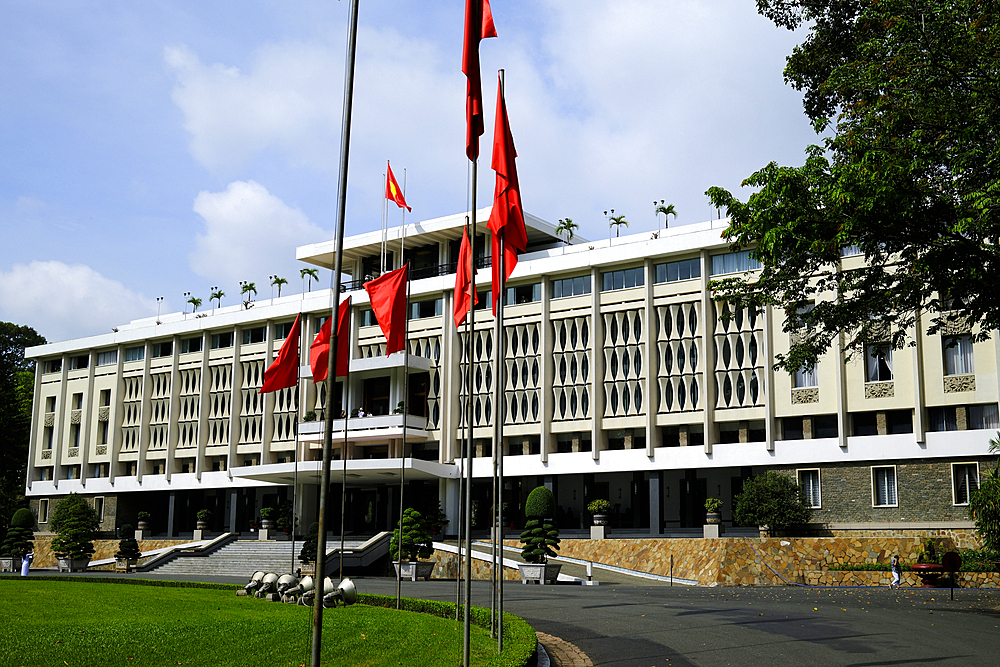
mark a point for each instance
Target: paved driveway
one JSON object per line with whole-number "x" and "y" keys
{"x": 660, "y": 626}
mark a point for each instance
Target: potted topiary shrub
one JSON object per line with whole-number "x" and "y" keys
{"x": 712, "y": 511}
{"x": 142, "y": 529}
{"x": 540, "y": 538}
{"x": 599, "y": 510}
{"x": 285, "y": 520}
{"x": 265, "y": 523}
{"x": 75, "y": 523}
{"x": 437, "y": 520}
{"x": 307, "y": 554}
{"x": 201, "y": 529}
{"x": 18, "y": 541}
{"x": 415, "y": 543}
{"x": 128, "y": 553}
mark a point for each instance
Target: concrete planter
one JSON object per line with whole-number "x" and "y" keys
{"x": 73, "y": 564}
{"x": 929, "y": 573}
{"x": 10, "y": 564}
{"x": 126, "y": 564}
{"x": 414, "y": 569}
{"x": 540, "y": 573}
{"x": 713, "y": 517}
{"x": 600, "y": 519}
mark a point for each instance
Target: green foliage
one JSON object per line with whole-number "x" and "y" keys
{"x": 667, "y": 210}
{"x": 75, "y": 523}
{"x": 416, "y": 538}
{"x": 437, "y": 519}
{"x": 17, "y": 381}
{"x": 984, "y": 509}
{"x": 772, "y": 499}
{"x": 540, "y": 538}
{"x": 307, "y": 554}
{"x": 617, "y": 221}
{"x": 285, "y": 518}
{"x": 128, "y": 547}
{"x": 864, "y": 567}
{"x": 19, "y": 535}
{"x": 309, "y": 416}
{"x": 979, "y": 560}
{"x": 125, "y": 625}
{"x": 143, "y": 516}
{"x": 906, "y": 96}
{"x": 567, "y": 227}
{"x": 930, "y": 551}
{"x": 204, "y": 514}
{"x": 266, "y": 512}
{"x": 599, "y": 506}
{"x": 713, "y": 505}
{"x": 541, "y": 503}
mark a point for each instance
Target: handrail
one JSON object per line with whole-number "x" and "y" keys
{"x": 211, "y": 545}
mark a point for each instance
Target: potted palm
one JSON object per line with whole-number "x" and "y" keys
{"x": 415, "y": 543}
{"x": 75, "y": 523}
{"x": 201, "y": 528}
{"x": 18, "y": 541}
{"x": 142, "y": 529}
{"x": 540, "y": 538}
{"x": 599, "y": 511}
{"x": 128, "y": 552}
{"x": 712, "y": 510}
{"x": 265, "y": 523}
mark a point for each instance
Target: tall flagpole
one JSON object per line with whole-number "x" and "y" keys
{"x": 406, "y": 399}
{"x": 467, "y": 431}
{"x": 295, "y": 436}
{"x": 346, "y": 409}
{"x": 345, "y": 144}
{"x": 501, "y": 382}
{"x": 467, "y": 627}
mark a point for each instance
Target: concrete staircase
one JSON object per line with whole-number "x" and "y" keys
{"x": 241, "y": 558}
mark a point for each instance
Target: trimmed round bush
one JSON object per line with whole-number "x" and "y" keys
{"x": 308, "y": 552}
{"x": 76, "y": 523}
{"x": 19, "y": 535}
{"x": 127, "y": 546}
{"x": 773, "y": 500}
{"x": 540, "y": 535}
{"x": 541, "y": 503}
{"x": 417, "y": 542}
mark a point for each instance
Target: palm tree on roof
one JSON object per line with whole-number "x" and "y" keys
{"x": 568, "y": 227}
{"x": 666, "y": 210}
{"x": 313, "y": 274}
{"x": 617, "y": 221}
{"x": 277, "y": 280}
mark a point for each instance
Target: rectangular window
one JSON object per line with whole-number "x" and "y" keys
{"x": 104, "y": 434}
{"x": 320, "y": 321}
{"x": 958, "y": 355}
{"x": 942, "y": 419}
{"x": 523, "y": 294}
{"x": 899, "y": 421}
{"x": 805, "y": 377}
{"x": 43, "y": 510}
{"x": 53, "y": 366}
{"x": 282, "y": 330}
{"x": 809, "y": 481}
{"x": 47, "y": 437}
{"x": 222, "y": 340}
{"x": 164, "y": 349}
{"x": 191, "y": 345}
{"x": 107, "y": 358}
{"x": 78, "y": 401}
{"x": 791, "y": 428}
{"x": 878, "y": 362}
{"x": 429, "y": 308}
{"x": 570, "y": 286}
{"x": 734, "y": 262}
{"x": 99, "y": 508}
{"x": 50, "y": 403}
{"x": 80, "y": 362}
{"x": 850, "y": 251}
{"x": 623, "y": 279}
{"x": 984, "y": 416}
{"x": 865, "y": 423}
{"x": 825, "y": 426}
{"x": 485, "y": 301}
{"x": 254, "y": 335}
{"x": 135, "y": 353}
{"x": 685, "y": 269}
{"x": 884, "y": 486}
{"x": 105, "y": 398}
{"x": 964, "y": 480}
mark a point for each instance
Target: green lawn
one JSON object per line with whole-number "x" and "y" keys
{"x": 77, "y": 623}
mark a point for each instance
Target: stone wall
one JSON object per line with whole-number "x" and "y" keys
{"x": 923, "y": 486}
{"x": 102, "y": 549}
{"x": 446, "y": 567}
{"x": 962, "y": 579}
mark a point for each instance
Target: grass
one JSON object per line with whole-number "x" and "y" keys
{"x": 81, "y": 623}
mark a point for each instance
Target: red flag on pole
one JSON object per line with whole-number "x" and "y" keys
{"x": 284, "y": 370}
{"x": 507, "y": 217}
{"x": 388, "y": 297}
{"x": 478, "y": 26}
{"x": 319, "y": 351}
{"x": 463, "y": 281}
{"x": 392, "y": 190}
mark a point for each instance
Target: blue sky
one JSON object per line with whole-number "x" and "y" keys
{"x": 151, "y": 149}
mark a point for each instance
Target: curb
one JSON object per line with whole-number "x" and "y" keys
{"x": 562, "y": 653}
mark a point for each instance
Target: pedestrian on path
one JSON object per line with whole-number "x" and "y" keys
{"x": 897, "y": 572}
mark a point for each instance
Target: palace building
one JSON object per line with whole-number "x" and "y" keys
{"x": 622, "y": 378}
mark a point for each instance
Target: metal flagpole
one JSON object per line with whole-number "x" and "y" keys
{"x": 295, "y": 437}
{"x": 467, "y": 627}
{"x": 467, "y": 431}
{"x": 406, "y": 399}
{"x": 345, "y": 143}
{"x": 385, "y": 223}
{"x": 345, "y": 408}
{"x": 501, "y": 379}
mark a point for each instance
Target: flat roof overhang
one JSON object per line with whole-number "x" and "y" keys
{"x": 359, "y": 472}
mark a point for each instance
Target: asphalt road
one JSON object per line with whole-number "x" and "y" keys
{"x": 662, "y": 626}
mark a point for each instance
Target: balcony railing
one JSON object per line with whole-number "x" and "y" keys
{"x": 416, "y": 274}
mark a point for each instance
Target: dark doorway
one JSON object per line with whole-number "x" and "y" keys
{"x": 375, "y": 398}
{"x": 694, "y": 493}
{"x": 420, "y": 384}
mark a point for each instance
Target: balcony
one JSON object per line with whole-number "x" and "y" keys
{"x": 366, "y": 429}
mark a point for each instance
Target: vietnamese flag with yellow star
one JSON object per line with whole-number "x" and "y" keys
{"x": 392, "y": 191}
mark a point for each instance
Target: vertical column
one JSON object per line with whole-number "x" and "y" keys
{"x": 655, "y": 502}
{"x": 204, "y": 404}
{"x": 234, "y": 502}
{"x": 37, "y": 418}
{"x": 175, "y": 394}
{"x": 653, "y": 439}
{"x": 60, "y": 423}
{"x": 708, "y": 356}
{"x": 841, "y": 380}
{"x": 86, "y": 417}
{"x": 236, "y": 405}
{"x": 115, "y": 415}
{"x": 170, "y": 513}
{"x": 547, "y": 372}
{"x": 769, "y": 420}
{"x": 267, "y": 414}
{"x": 918, "y": 379}
{"x": 597, "y": 352}
{"x": 147, "y": 390}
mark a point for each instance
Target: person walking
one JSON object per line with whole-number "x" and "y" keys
{"x": 897, "y": 572}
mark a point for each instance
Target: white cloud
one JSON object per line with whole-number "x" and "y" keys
{"x": 63, "y": 301}
{"x": 249, "y": 234}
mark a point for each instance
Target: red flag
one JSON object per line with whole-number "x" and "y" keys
{"x": 463, "y": 281}
{"x": 284, "y": 370}
{"x": 319, "y": 351}
{"x": 392, "y": 191}
{"x": 507, "y": 217}
{"x": 478, "y": 26}
{"x": 388, "y": 297}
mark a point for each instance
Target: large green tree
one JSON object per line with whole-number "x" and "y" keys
{"x": 17, "y": 382}
{"x": 905, "y": 95}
